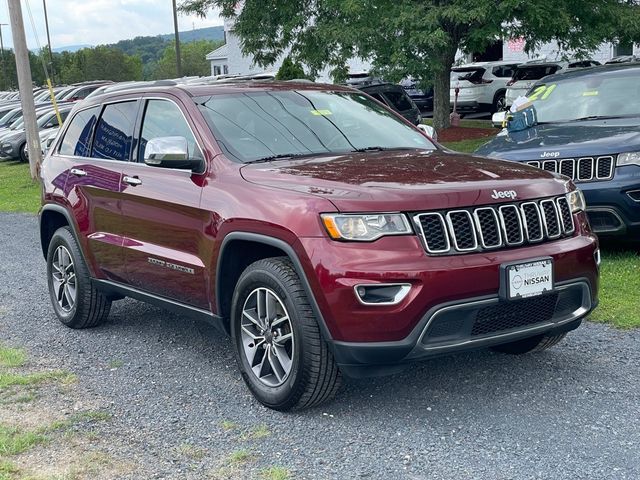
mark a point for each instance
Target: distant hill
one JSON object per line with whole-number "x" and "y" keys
{"x": 70, "y": 48}
{"x": 210, "y": 33}
{"x": 146, "y": 46}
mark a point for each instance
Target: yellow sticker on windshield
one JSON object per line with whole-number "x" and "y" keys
{"x": 592, "y": 93}
{"x": 324, "y": 113}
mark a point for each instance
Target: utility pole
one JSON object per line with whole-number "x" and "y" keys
{"x": 5, "y": 77}
{"x": 46, "y": 24}
{"x": 25, "y": 84}
{"x": 175, "y": 28}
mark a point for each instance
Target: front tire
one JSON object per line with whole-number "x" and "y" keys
{"x": 530, "y": 345}
{"x": 75, "y": 300}
{"x": 280, "y": 351}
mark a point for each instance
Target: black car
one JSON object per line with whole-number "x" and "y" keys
{"x": 423, "y": 98}
{"x": 396, "y": 98}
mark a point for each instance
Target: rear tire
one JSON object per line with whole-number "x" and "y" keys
{"x": 75, "y": 299}
{"x": 530, "y": 345}
{"x": 280, "y": 351}
{"x": 23, "y": 153}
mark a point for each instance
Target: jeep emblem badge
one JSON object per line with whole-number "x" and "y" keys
{"x": 504, "y": 194}
{"x": 549, "y": 154}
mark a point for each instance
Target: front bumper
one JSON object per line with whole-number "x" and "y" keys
{"x": 334, "y": 268}
{"x": 474, "y": 323}
{"x": 613, "y": 206}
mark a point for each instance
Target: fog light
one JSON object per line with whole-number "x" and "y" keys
{"x": 382, "y": 293}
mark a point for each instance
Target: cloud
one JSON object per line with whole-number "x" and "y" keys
{"x": 94, "y": 22}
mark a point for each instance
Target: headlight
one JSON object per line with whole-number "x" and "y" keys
{"x": 576, "y": 201}
{"x": 365, "y": 227}
{"x": 629, "y": 158}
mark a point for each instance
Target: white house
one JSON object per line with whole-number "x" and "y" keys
{"x": 219, "y": 59}
{"x": 230, "y": 57}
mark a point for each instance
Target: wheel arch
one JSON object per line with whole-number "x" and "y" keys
{"x": 53, "y": 217}
{"x": 240, "y": 249}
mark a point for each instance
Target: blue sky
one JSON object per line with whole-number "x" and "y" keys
{"x": 73, "y": 22}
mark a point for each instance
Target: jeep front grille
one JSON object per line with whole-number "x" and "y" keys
{"x": 582, "y": 169}
{"x": 493, "y": 227}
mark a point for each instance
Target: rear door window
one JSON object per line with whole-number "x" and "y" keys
{"x": 77, "y": 138}
{"x": 114, "y": 132}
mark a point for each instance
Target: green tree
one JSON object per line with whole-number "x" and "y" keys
{"x": 417, "y": 38}
{"x": 193, "y": 59}
{"x": 290, "y": 70}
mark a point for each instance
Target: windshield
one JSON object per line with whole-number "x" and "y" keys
{"x": 611, "y": 95}
{"x": 259, "y": 125}
{"x": 9, "y": 117}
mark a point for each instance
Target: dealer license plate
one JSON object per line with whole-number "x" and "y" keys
{"x": 529, "y": 279}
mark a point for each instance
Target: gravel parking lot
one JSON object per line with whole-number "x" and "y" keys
{"x": 178, "y": 407}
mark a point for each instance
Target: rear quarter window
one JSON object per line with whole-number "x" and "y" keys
{"x": 77, "y": 138}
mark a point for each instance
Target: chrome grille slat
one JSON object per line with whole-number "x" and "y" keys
{"x": 532, "y": 221}
{"x": 583, "y": 169}
{"x": 566, "y": 218}
{"x": 488, "y": 226}
{"x": 491, "y": 227}
{"x": 434, "y": 232}
{"x": 550, "y": 218}
{"x": 511, "y": 224}
{"x": 462, "y": 230}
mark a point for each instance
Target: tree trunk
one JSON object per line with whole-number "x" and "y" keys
{"x": 441, "y": 83}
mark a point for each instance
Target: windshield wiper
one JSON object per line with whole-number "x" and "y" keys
{"x": 597, "y": 117}
{"x": 284, "y": 156}
{"x": 381, "y": 149}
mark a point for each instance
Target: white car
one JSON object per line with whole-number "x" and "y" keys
{"x": 482, "y": 85}
{"x": 526, "y": 74}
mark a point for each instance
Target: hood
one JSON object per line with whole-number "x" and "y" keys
{"x": 566, "y": 140}
{"x": 406, "y": 180}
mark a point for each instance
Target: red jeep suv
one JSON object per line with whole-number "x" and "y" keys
{"x": 320, "y": 229}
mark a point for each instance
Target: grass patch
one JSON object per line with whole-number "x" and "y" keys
{"x": 14, "y": 440}
{"x": 7, "y": 469}
{"x": 275, "y": 473}
{"x": 240, "y": 456}
{"x": 116, "y": 364}
{"x": 191, "y": 451}
{"x": 228, "y": 425}
{"x": 466, "y": 123}
{"x": 12, "y": 357}
{"x": 619, "y": 287}
{"x": 261, "y": 431}
{"x": 18, "y": 193}
{"x": 8, "y": 379}
{"x": 466, "y": 146}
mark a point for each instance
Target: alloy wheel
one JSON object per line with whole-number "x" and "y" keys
{"x": 267, "y": 337}
{"x": 63, "y": 275}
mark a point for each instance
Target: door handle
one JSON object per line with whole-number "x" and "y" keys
{"x": 78, "y": 172}
{"x": 133, "y": 181}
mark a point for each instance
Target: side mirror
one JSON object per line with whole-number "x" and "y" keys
{"x": 497, "y": 119}
{"x": 169, "y": 152}
{"x": 429, "y": 131}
